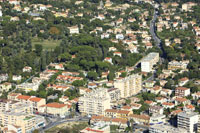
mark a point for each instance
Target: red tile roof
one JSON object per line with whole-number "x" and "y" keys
{"x": 56, "y": 105}
{"x": 23, "y": 97}
{"x": 35, "y": 99}
{"x": 182, "y": 88}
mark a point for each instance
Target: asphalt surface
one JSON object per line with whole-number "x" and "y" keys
{"x": 152, "y": 30}
{"x": 54, "y": 123}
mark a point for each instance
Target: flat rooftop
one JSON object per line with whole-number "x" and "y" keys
{"x": 168, "y": 128}
{"x": 188, "y": 114}
{"x": 150, "y": 56}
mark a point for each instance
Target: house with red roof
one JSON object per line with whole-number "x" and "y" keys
{"x": 182, "y": 91}
{"x": 168, "y": 105}
{"x": 183, "y": 81}
{"x": 37, "y": 102}
{"x": 118, "y": 54}
{"x": 108, "y": 59}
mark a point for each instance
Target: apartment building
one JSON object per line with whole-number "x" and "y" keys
{"x": 10, "y": 105}
{"x": 114, "y": 94}
{"x": 182, "y": 91}
{"x": 156, "y": 109}
{"x": 174, "y": 65}
{"x": 188, "y": 120}
{"x": 129, "y": 86}
{"x": 58, "y": 109}
{"x": 161, "y": 128}
{"x": 148, "y": 62}
{"x": 94, "y": 102}
{"x": 140, "y": 119}
{"x": 114, "y": 113}
{"x": 18, "y": 116}
{"x": 24, "y": 122}
{"x": 36, "y": 102}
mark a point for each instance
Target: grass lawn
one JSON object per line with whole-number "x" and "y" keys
{"x": 47, "y": 44}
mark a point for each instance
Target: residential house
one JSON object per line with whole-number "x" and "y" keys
{"x": 182, "y": 91}
{"x": 183, "y": 81}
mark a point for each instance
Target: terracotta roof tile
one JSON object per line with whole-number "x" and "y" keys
{"x": 35, "y": 99}
{"x": 23, "y": 97}
{"x": 56, "y": 105}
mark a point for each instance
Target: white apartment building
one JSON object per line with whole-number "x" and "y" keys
{"x": 94, "y": 102}
{"x": 188, "y": 120}
{"x": 129, "y": 86}
{"x": 19, "y": 117}
{"x": 114, "y": 94}
{"x": 148, "y": 62}
{"x": 161, "y": 128}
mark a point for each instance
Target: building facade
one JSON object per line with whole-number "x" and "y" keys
{"x": 129, "y": 86}
{"x": 94, "y": 102}
{"x": 188, "y": 121}
{"x": 148, "y": 62}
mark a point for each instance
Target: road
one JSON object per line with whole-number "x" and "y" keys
{"x": 60, "y": 121}
{"x": 23, "y": 82}
{"x": 152, "y": 29}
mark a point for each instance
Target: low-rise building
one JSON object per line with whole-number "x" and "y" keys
{"x": 140, "y": 119}
{"x": 73, "y": 30}
{"x": 182, "y": 91}
{"x": 183, "y": 81}
{"x": 156, "y": 109}
{"x": 57, "y": 109}
{"x": 157, "y": 119}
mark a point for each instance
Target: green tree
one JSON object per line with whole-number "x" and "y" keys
{"x": 78, "y": 83}
{"x": 38, "y": 49}
{"x": 92, "y": 75}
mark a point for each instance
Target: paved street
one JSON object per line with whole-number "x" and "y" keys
{"x": 56, "y": 122}
{"x": 152, "y": 30}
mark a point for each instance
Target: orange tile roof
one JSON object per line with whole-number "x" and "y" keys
{"x": 159, "y": 98}
{"x": 168, "y": 104}
{"x": 182, "y": 88}
{"x": 93, "y": 130}
{"x": 23, "y": 97}
{"x": 111, "y": 110}
{"x": 95, "y": 117}
{"x": 148, "y": 102}
{"x": 144, "y": 117}
{"x": 136, "y": 105}
{"x": 190, "y": 106}
{"x": 119, "y": 120}
{"x": 126, "y": 107}
{"x": 56, "y": 105}
{"x": 180, "y": 99}
{"x": 175, "y": 112}
{"x": 184, "y": 79}
{"x": 156, "y": 88}
{"x": 123, "y": 112}
{"x": 35, "y": 99}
